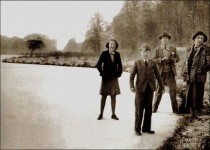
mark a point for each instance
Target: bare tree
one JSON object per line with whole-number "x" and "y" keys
{"x": 94, "y": 35}
{"x": 125, "y": 25}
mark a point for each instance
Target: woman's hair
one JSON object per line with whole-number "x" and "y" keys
{"x": 117, "y": 45}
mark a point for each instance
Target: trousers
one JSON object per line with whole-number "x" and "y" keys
{"x": 143, "y": 107}
{"x": 168, "y": 79}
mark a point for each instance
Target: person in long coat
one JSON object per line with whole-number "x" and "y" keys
{"x": 195, "y": 68}
{"x": 145, "y": 71}
{"x": 166, "y": 57}
{"x": 109, "y": 66}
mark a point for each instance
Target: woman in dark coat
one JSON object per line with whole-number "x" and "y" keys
{"x": 195, "y": 71}
{"x": 110, "y": 67}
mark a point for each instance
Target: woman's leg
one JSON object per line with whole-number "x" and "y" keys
{"x": 113, "y": 103}
{"x": 103, "y": 102}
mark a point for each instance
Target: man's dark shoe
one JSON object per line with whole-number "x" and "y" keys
{"x": 150, "y": 132}
{"x": 100, "y": 117}
{"x": 138, "y": 133}
{"x": 154, "y": 111}
{"x": 175, "y": 112}
{"x": 115, "y": 117}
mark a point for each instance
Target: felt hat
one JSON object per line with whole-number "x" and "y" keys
{"x": 166, "y": 35}
{"x": 200, "y": 33}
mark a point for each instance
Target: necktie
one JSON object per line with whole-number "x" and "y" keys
{"x": 146, "y": 63}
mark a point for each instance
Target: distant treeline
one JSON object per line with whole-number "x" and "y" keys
{"x": 16, "y": 45}
{"x": 136, "y": 23}
{"x": 141, "y": 22}
{"x": 144, "y": 21}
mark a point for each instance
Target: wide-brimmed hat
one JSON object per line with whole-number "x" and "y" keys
{"x": 200, "y": 33}
{"x": 165, "y": 34}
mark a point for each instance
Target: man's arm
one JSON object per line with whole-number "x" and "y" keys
{"x": 175, "y": 58}
{"x": 158, "y": 77}
{"x": 132, "y": 76}
{"x": 157, "y": 57}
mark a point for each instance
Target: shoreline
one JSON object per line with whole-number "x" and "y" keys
{"x": 69, "y": 61}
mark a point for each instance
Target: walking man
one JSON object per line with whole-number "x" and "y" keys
{"x": 166, "y": 56}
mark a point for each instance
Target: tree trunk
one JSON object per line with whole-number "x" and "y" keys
{"x": 193, "y": 15}
{"x": 31, "y": 52}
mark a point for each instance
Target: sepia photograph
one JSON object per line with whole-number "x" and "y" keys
{"x": 122, "y": 74}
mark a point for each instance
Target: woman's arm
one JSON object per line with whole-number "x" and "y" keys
{"x": 99, "y": 64}
{"x": 120, "y": 67}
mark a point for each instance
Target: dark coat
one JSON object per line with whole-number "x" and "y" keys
{"x": 107, "y": 68}
{"x": 174, "y": 57}
{"x": 145, "y": 75}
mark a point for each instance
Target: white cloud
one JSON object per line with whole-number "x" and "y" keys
{"x": 59, "y": 20}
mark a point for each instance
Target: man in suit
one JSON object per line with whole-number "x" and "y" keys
{"x": 166, "y": 56}
{"x": 146, "y": 70}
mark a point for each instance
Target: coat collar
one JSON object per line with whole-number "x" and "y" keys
{"x": 167, "y": 47}
{"x": 109, "y": 56}
{"x": 107, "y": 52}
{"x": 190, "y": 49}
{"x": 143, "y": 63}
{"x": 192, "y": 46}
{"x": 161, "y": 48}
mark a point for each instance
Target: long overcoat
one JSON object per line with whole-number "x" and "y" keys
{"x": 199, "y": 64}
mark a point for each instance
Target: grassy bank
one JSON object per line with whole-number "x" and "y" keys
{"x": 191, "y": 134}
{"x": 73, "y": 59}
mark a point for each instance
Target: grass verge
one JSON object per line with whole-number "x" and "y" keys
{"x": 192, "y": 133}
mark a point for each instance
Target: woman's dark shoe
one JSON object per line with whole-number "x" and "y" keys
{"x": 115, "y": 117}
{"x": 100, "y": 117}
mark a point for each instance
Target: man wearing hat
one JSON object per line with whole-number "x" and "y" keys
{"x": 195, "y": 68}
{"x": 166, "y": 56}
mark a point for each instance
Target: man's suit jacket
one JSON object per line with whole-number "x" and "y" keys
{"x": 173, "y": 56}
{"x": 145, "y": 75}
{"x": 106, "y": 67}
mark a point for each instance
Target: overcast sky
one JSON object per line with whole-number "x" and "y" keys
{"x": 60, "y": 20}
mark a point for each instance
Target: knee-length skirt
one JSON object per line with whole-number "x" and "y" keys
{"x": 109, "y": 87}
